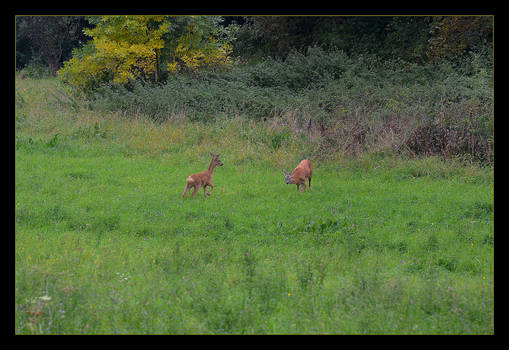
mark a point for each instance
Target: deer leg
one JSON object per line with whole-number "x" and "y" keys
{"x": 211, "y": 189}
{"x": 303, "y": 187}
{"x": 194, "y": 192}
{"x": 309, "y": 181}
{"x": 185, "y": 191}
{"x": 298, "y": 187}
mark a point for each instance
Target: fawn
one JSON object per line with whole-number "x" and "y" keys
{"x": 203, "y": 179}
{"x": 299, "y": 175}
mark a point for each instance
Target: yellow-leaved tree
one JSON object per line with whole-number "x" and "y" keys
{"x": 125, "y": 48}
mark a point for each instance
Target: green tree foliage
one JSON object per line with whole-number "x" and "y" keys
{"x": 278, "y": 35}
{"x": 125, "y": 48}
{"x": 412, "y": 38}
{"x": 122, "y": 48}
{"x": 48, "y": 39}
{"x": 453, "y": 35}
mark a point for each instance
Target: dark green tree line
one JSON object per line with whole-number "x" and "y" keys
{"x": 419, "y": 39}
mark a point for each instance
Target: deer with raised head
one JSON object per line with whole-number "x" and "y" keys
{"x": 203, "y": 179}
{"x": 299, "y": 175}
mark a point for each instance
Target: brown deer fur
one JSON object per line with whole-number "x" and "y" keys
{"x": 299, "y": 175}
{"x": 202, "y": 179}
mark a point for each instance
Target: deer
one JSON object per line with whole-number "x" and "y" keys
{"x": 299, "y": 175}
{"x": 203, "y": 179}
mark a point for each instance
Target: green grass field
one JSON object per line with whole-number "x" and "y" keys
{"x": 105, "y": 244}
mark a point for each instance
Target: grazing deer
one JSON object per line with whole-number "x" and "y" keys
{"x": 202, "y": 179}
{"x": 299, "y": 175}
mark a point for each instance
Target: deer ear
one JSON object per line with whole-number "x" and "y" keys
{"x": 284, "y": 172}
{"x": 212, "y": 154}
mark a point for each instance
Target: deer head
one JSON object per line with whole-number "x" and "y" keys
{"x": 215, "y": 159}
{"x": 288, "y": 177}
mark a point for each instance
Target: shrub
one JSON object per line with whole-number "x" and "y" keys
{"x": 345, "y": 104}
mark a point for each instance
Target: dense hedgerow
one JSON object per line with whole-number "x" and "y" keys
{"x": 352, "y": 103}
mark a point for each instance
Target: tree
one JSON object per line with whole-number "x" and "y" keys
{"x": 412, "y": 38}
{"x": 278, "y": 35}
{"x": 453, "y": 35}
{"x": 50, "y": 37}
{"x": 124, "y": 48}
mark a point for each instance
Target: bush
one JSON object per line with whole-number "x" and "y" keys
{"x": 452, "y": 139}
{"x": 350, "y": 104}
{"x": 36, "y": 69}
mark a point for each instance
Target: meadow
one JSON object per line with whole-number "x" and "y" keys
{"x": 104, "y": 243}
